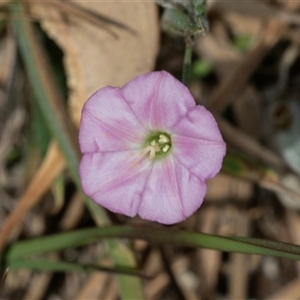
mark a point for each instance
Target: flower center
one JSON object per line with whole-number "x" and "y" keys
{"x": 157, "y": 144}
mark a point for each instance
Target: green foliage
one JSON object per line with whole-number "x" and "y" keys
{"x": 243, "y": 42}
{"x": 201, "y": 68}
{"x": 185, "y": 18}
{"x": 233, "y": 165}
{"x": 20, "y": 250}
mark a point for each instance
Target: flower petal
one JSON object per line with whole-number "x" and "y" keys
{"x": 172, "y": 193}
{"x": 203, "y": 158}
{"x": 198, "y": 144}
{"x": 158, "y": 99}
{"x": 115, "y": 180}
{"x": 108, "y": 123}
{"x": 199, "y": 123}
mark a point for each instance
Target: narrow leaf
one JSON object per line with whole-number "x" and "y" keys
{"x": 161, "y": 236}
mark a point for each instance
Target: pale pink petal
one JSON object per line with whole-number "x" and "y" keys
{"x": 115, "y": 180}
{"x": 197, "y": 143}
{"x": 158, "y": 99}
{"x": 203, "y": 158}
{"x": 172, "y": 193}
{"x": 109, "y": 124}
{"x": 198, "y": 123}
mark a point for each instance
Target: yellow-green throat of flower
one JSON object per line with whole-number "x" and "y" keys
{"x": 157, "y": 144}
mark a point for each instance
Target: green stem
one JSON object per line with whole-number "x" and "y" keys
{"x": 186, "y": 72}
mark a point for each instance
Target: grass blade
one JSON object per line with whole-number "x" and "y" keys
{"x": 162, "y": 236}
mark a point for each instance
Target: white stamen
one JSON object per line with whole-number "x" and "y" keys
{"x": 150, "y": 149}
{"x": 152, "y": 152}
{"x": 157, "y": 146}
{"x": 163, "y": 139}
{"x": 165, "y": 148}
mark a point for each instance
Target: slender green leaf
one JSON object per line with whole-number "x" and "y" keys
{"x": 168, "y": 236}
{"x": 186, "y": 72}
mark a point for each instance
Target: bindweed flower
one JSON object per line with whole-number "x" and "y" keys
{"x": 148, "y": 149}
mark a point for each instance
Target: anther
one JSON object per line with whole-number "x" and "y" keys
{"x": 163, "y": 139}
{"x": 165, "y": 148}
{"x": 159, "y": 145}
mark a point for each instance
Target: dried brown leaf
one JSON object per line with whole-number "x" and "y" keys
{"x": 93, "y": 56}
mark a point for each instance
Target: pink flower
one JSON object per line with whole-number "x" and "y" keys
{"x": 148, "y": 149}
